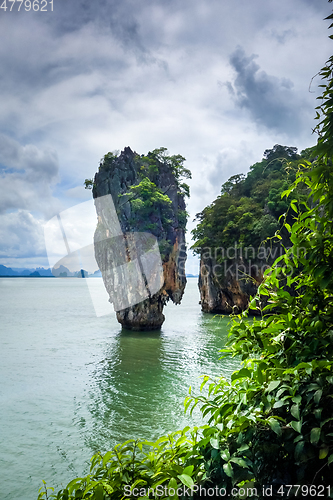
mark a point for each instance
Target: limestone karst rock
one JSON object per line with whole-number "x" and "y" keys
{"x": 148, "y": 210}
{"x": 226, "y": 287}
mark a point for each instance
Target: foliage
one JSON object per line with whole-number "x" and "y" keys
{"x": 152, "y": 209}
{"x": 182, "y": 216}
{"x": 173, "y": 461}
{"x": 149, "y": 207}
{"x": 246, "y": 204}
{"x": 281, "y": 152}
{"x": 88, "y": 183}
{"x": 108, "y": 160}
{"x": 175, "y": 163}
{"x": 105, "y": 164}
{"x": 165, "y": 248}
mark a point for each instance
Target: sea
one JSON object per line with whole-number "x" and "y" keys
{"x": 72, "y": 383}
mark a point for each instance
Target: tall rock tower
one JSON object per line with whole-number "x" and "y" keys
{"x": 140, "y": 239}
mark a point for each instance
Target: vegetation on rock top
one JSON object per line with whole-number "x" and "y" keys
{"x": 151, "y": 207}
{"x": 249, "y": 207}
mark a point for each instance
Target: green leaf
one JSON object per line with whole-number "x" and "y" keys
{"x": 74, "y": 484}
{"x": 225, "y": 408}
{"x": 228, "y": 469}
{"x": 107, "y": 457}
{"x": 295, "y": 411}
{"x": 315, "y": 435}
{"x": 99, "y": 493}
{"x": 299, "y": 449}
{"x": 188, "y": 470}
{"x": 172, "y": 485}
{"x": 275, "y": 426}
{"x": 273, "y": 385}
{"x": 215, "y": 443}
{"x": 330, "y": 459}
{"x": 317, "y": 396}
{"x": 239, "y": 461}
{"x": 260, "y": 376}
{"x": 225, "y": 455}
{"x": 243, "y": 447}
{"x": 244, "y": 372}
{"x": 187, "y": 480}
{"x": 297, "y": 425}
{"x": 279, "y": 403}
{"x": 323, "y": 452}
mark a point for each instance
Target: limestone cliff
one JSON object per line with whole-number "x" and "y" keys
{"x": 227, "y": 285}
{"x": 148, "y": 210}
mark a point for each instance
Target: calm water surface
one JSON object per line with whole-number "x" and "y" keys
{"x": 73, "y": 383}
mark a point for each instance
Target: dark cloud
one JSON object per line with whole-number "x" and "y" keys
{"x": 26, "y": 175}
{"x": 271, "y": 101}
{"x": 112, "y": 17}
{"x": 51, "y": 48}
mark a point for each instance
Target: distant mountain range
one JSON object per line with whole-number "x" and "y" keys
{"x": 60, "y": 272}
{"x": 23, "y": 271}
{"x": 40, "y": 272}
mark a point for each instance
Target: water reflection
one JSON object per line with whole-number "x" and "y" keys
{"x": 125, "y": 389}
{"x": 137, "y": 389}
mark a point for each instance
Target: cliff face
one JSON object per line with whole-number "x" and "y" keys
{"x": 140, "y": 236}
{"x": 226, "y": 285}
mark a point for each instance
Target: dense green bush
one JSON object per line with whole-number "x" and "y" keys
{"x": 148, "y": 206}
{"x": 246, "y": 204}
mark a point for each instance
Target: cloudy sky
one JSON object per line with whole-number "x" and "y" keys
{"x": 217, "y": 81}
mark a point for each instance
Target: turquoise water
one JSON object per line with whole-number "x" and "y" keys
{"x": 73, "y": 383}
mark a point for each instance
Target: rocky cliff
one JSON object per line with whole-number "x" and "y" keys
{"x": 226, "y": 285}
{"x": 140, "y": 236}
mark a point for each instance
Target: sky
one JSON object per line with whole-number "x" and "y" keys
{"x": 217, "y": 81}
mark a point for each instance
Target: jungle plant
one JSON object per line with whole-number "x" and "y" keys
{"x": 149, "y": 205}
{"x": 133, "y": 467}
{"x": 176, "y": 163}
{"x": 240, "y": 212}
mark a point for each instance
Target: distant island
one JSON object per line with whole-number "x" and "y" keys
{"x": 60, "y": 272}
{"x": 23, "y": 272}
{"x": 41, "y": 272}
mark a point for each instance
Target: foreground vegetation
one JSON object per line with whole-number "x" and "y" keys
{"x": 271, "y": 427}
